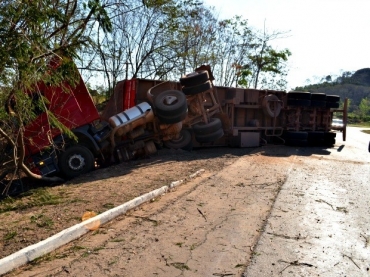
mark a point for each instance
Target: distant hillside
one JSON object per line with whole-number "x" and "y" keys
{"x": 354, "y": 86}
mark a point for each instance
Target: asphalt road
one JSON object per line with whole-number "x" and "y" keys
{"x": 278, "y": 211}
{"x": 320, "y": 222}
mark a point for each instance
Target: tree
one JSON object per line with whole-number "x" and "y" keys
{"x": 265, "y": 60}
{"x": 364, "y": 107}
{"x": 34, "y": 36}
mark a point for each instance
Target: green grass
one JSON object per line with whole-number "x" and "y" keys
{"x": 42, "y": 221}
{"x": 35, "y": 198}
{"x": 10, "y": 235}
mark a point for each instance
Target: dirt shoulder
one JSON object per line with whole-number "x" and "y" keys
{"x": 206, "y": 226}
{"x": 45, "y": 211}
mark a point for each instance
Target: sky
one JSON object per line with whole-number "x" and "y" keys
{"x": 326, "y": 37}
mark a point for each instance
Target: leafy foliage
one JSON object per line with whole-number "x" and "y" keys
{"x": 38, "y": 41}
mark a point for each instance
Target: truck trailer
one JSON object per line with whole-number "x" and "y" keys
{"x": 143, "y": 115}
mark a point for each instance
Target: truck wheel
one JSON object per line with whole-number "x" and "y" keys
{"x": 315, "y": 138}
{"x": 170, "y": 103}
{"x": 194, "y": 79}
{"x": 183, "y": 141}
{"x": 299, "y": 95}
{"x": 202, "y": 128}
{"x": 210, "y": 137}
{"x": 296, "y": 142}
{"x": 318, "y": 103}
{"x": 197, "y": 89}
{"x": 333, "y": 105}
{"x": 318, "y": 96}
{"x": 298, "y": 102}
{"x": 333, "y": 98}
{"x": 296, "y": 135}
{"x": 76, "y": 160}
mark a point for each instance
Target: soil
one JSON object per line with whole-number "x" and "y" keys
{"x": 46, "y": 210}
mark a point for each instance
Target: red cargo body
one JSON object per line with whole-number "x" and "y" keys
{"x": 72, "y": 106}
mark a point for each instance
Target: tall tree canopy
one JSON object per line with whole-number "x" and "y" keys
{"x": 32, "y": 34}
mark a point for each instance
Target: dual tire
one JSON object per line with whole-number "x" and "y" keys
{"x": 171, "y": 106}
{"x": 208, "y": 132}
{"x": 196, "y": 82}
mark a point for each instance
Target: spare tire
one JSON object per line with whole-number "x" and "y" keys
{"x": 267, "y": 109}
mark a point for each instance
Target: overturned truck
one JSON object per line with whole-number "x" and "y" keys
{"x": 194, "y": 113}
{"x": 144, "y": 114}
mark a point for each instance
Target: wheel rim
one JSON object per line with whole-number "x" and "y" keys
{"x": 169, "y": 100}
{"x": 76, "y": 162}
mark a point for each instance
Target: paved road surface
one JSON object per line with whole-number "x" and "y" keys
{"x": 320, "y": 223}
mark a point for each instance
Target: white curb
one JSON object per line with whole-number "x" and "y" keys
{"x": 41, "y": 248}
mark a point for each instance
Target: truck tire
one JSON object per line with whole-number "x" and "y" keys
{"x": 333, "y": 105}
{"x": 172, "y": 119}
{"x": 298, "y": 102}
{"x": 299, "y": 95}
{"x": 194, "y": 79}
{"x": 209, "y": 137}
{"x": 268, "y": 109}
{"x": 202, "y": 128}
{"x": 297, "y": 142}
{"x": 76, "y": 160}
{"x": 170, "y": 103}
{"x": 318, "y": 96}
{"x": 333, "y": 98}
{"x": 318, "y": 103}
{"x": 315, "y": 138}
{"x": 197, "y": 89}
{"x": 184, "y": 141}
{"x": 296, "y": 135}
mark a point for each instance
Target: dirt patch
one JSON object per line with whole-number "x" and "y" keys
{"x": 44, "y": 211}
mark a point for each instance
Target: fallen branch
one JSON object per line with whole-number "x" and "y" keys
{"x": 295, "y": 263}
{"x": 205, "y": 218}
{"x": 344, "y": 255}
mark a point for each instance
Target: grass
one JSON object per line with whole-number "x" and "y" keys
{"x": 37, "y": 198}
{"x": 42, "y": 221}
{"x": 10, "y": 235}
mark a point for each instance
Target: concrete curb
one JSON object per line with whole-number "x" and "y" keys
{"x": 41, "y": 248}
